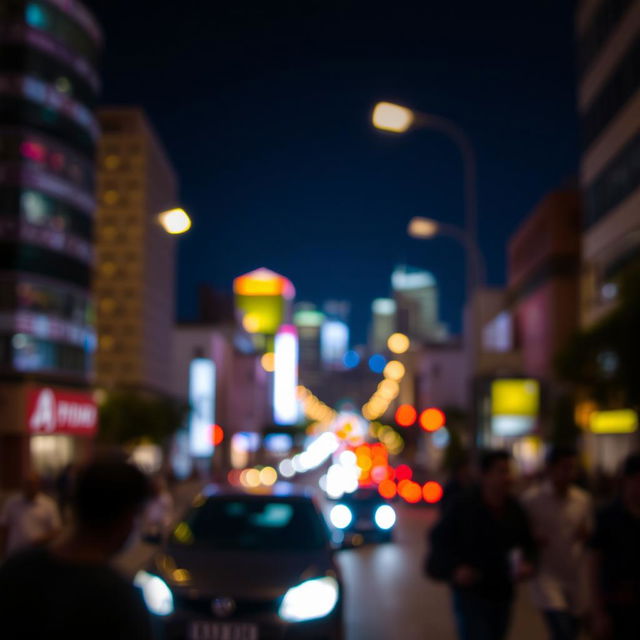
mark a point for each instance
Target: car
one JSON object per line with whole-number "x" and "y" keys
{"x": 364, "y": 516}
{"x": 247, "y": 566}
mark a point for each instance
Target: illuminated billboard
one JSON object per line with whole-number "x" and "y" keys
{"x": 262, "y": 296}
{"x": 285, "y": 376}
{"x": 202, "y": 385}
{"x": 515, "y": 404}
{"x": 619, "y": 421}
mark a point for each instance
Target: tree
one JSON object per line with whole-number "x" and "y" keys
{"x": 127, "y": 415}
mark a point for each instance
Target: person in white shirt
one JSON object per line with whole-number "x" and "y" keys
{"x": 560, "y": 514}
{"x": 28, "y": 518}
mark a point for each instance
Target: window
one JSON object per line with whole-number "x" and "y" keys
{"x": 112, "y": 162}
{"x": 110, "y": 197}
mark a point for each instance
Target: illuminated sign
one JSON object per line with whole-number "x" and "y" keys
{"x": 52, "y": 411}
{"x": 620, "y": 421}
{"x": 202, "y": 384}
{"x": 285, "y": 377}
{"x": 515, "y": 404}
{"x": 261, "y": 296}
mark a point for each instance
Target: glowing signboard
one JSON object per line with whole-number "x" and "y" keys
{"x": 515, "y": 403}
{"x": 285, "y": 377}
{"x": 202, "y": 385}
{"x": 620, "y": 421}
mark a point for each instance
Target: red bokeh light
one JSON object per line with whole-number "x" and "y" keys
{"x": 217, "y": 434}
{"x": 406, "y": 415}
{"x": 403, "y": 472}
{"x": 432, "y": 419}
{"x": 410, "y": 491}
{"x": 233, "y": 477}
{"x": 387, "y": 489}
{"x": 432, "y": 492}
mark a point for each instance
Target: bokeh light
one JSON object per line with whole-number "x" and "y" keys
{"x": 394, "y": 370}
{"x": 410, "y": 491}
{"x": 217, "y": 435}
{"x": 377, "y": 363}
{"x": 175, "y": 221}
{"x": 432, "y": 492}
{"x": 387, "y": 489}
{"x": 351, "y": 359}
{"x": 403, "y": 472}
{"x": 432, "y": 419}
{"x": 268, "y": 476}
{"x": 268, "y": 362}
{"x": 406, "y": 415}
{"x": 398, "y": 343}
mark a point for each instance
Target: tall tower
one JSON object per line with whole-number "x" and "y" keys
{"x": 416, "y": 294}
{"x": 48, "y": 132}
{"x": 134, "y": 283}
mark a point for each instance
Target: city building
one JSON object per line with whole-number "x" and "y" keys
{"x": 415, "y": 292}
{"x": 134, "y": 279}
{"x": 308, "y": 320}
{"x": 383, "y": 323}
{"x": 608, "y": 43}
{"x": 48, "y": 132}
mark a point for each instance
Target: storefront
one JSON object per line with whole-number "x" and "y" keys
{"x": 46, "y": 428}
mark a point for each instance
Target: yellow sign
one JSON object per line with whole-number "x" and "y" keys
{"x": 620, "y": 421}
{"x": 515, "y": 397}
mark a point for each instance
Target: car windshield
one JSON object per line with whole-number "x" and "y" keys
{"x": 253, "y": 523}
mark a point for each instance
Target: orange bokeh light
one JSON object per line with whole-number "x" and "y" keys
{"x": 403, "y": 472}
{"x": 432, "y": 492}
{"x": 387, "y": 489}
{"x": 406, "y": 415}
{"x": 217, "y": 434}
{"x": 432, "y": 419}
{"x": 410, "y": 491}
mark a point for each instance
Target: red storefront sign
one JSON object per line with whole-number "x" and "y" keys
{"x": 52, "y": 411}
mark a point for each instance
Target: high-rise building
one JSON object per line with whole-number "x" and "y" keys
{"x": 608, "y": 38}
{"x": 48, "y": 89}
{"x": 134, "y": 282}
{"x": 416, "y": 294}
{"x": 383, "y": 323}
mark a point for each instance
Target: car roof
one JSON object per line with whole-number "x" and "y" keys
{"x": 279, "y": 490}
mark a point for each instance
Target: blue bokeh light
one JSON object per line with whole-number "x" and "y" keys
{"x": 351, "y": 359}
{"x": 377, "y": 363}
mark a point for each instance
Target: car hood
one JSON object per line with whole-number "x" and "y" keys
{"x": 242, "y": 574}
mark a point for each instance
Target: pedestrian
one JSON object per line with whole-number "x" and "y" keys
{"x": 159, "y": 514}
{"x": 482, "y": 546}
{"x": 461, "y": 480}
{"x": 615, "y": 562}
{"x": 560, "y": 514}
{"x": 67, "y": 589}
{"x": 28, "y": 518}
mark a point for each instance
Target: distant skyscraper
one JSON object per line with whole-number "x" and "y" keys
{"x": 308, "y": 320}
{"x": 48, "y": 132}
{"x": 383, "y": 323}
{"x": 134, "y": 283}
{"x": 416, "y": 294}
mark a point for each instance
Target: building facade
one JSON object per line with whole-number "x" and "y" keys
{"x": 134, "y": 280}
{"x": 608, "y": 38}
{"x": 48, "y": 132}
{"x": 608, "y": 41}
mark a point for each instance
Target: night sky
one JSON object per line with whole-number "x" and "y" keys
{"x": 264, "y": 109}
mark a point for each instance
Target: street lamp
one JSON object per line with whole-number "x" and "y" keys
{"x": 426, "y": 228}
{"x": 398, "y": 119}
{"x": 175, "y": 221}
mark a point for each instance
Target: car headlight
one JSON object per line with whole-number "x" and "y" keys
{"x": 157, "y": 595}
{"x": 310, "y": 600}
{"x": 385, "y": 517}
{"x": 341, "y": 516}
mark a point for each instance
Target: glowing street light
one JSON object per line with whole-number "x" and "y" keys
{"x": 175, "y": 221}
{"x": 422, "y": 228}
{"x": 392, "y": 117}
{"x": 398, "y": 343}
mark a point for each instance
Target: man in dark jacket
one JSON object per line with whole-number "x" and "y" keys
{"x": 484, "y": 546}
{"x": 68, "y": 590}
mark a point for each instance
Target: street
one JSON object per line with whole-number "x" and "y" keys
{"x": 387, "y": 596}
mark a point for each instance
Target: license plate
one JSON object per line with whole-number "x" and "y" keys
{"x": 204, "y": 630}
